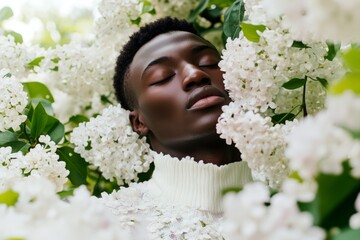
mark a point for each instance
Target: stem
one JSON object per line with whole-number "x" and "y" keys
{"x": 295, "y": 115}
{"x": 305, "y": 113}
{"x": 96, "y": 183}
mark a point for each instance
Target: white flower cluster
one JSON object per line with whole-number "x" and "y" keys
{"x": 179, "y": 8}
{"x": 281, "y": 220}
{"x": 355, "y": 219}
{"x": 10, "y": 167}
{"x": 40, "y": 214}
{"x": 261, "y": 144}
{"x": 109, "y": 143}
{"x": 114, "y": 26}
{"x": 157, "y": 220}
{"x": 325, "y": 142}
{"x": 13, "y": 100}
{"x": 41, "y": 160}
{"x": 16, "y": 56}
{"x": 333, "y": 20}
{"x": 82, "y": 73}
{"x": 255, "y": 72}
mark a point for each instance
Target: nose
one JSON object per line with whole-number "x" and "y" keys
{"x": 194, "y": 77}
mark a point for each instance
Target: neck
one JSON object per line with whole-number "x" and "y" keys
{"x": 215, "y": 152}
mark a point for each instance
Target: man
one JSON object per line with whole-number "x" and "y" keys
{"x": 167, "y": 75}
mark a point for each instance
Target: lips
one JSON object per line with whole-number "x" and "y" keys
{"x": 205, "y": 97}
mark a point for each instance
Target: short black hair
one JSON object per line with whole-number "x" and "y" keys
{"x": 136, "y": 41}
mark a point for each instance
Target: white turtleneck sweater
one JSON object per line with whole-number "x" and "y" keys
{"x": 182, "y": 200}
{"x": 195, "y": 184}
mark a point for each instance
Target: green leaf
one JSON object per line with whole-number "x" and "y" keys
{"x": 294, "y": 83}
{"x": 251, "y": 31}
{"x": 38, "y": 121}
{"x": 348, "y": 234}
{"x": 9, "y": 198}
{"x": 5, "y": 13}
{"x": 7, "y": 75}
{"x": 77, "y": 119}
{"x": 352, "y": 59}
{"x": 66, "y": 193}
{"x": 299, "y": 44}
{"x": 323, "y": 82}
{"x": 6, "y": 137}
{"x": 233, "y": 16}
{"x": 10, "y": 139}
{"x": 282, "y": 118}
{"x": 34, "y": 63}
{"x": 56, "y": 60}
{"x": 55, "y": 129}
{"x": 17, "y": 37}
{"x": 75, "y": 164}
{"x": 221, "y": 3}
{"x": 332, "y": 51}
{"x": 203, "y": 224}
{"x": 231, "y": 189}
{"x": 46, "y": 104}
{"x": 194, "y": 13}
{"x": 148, "y": 8}
{"x": 18, "y": 146}
{"x": 295, "y": 175}
{"x": 105, "y": 100}
{"x": 38, "y": 90}
{"x": 334, "y": 201}
{"x": 354, "y": 133}
{"x": 350, "y": 82}
{"x": 135, "y": 21}
{"x": 145, "y": 176}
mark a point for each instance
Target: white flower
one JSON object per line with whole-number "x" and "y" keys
{"x": 261, "y": 144}
{"x": 136, "y": 208}
{"x": 11, "y": 165}
{"x": 109, "y": 143}
{"x": 41, "y": 161}
{"x": 344, "y": 110}
{"x": 355, "y": 219}
{"x": 325, "y": 144}
{"x": 179, "y": 8}
{"x": 13, "y": 100}
{"x": 83, "y": 73}
{"x": 16, "y": 56}
{"x": 255, "y": 72}
{"x": 114, "y": 26}
{"x": 334, "y": 20}
{"x": 247, "y": 216}
{"x": 303, "y": 192}
{"x": 40, "y": 214}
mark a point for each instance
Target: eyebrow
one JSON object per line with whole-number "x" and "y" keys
{"x": 154, "y": 62}
{"x": 199, "y": 48}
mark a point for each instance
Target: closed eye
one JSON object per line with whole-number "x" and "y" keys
{"x": 162, "y": 81}
{"x": 210, "y": 65}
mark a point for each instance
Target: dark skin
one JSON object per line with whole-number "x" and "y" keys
{"x": 178, "y": 90}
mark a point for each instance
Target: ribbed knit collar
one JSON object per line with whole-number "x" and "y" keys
{"x": 195, "y": 184}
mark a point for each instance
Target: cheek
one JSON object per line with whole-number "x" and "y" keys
{"x": 161, "y": 107}
{"x": 218, "y": 79}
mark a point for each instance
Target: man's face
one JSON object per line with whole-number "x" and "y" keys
{"x": 179, "y": 88}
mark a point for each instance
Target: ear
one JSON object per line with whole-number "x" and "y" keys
{"x": 137, "y": 123}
